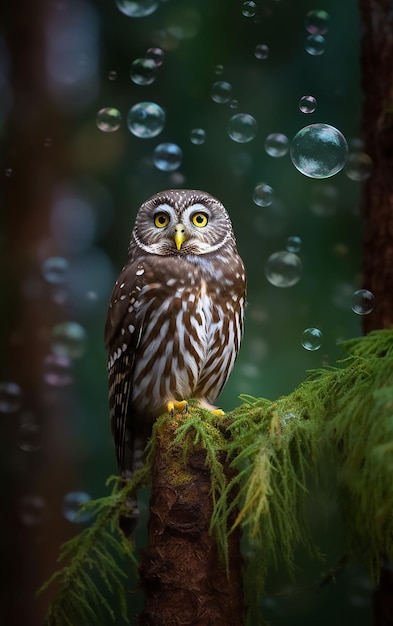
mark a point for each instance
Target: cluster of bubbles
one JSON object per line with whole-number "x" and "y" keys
{"x": 143, "y": 71}
{"x": 317, "y": 25}
{"x": 319, "y": 151}
{"x": 242, "y": 127}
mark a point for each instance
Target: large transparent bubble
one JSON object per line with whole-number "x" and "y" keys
{"x": 242, "y": 127}
{"x": 137, "y": 8}
{"x": 167, "y": 157}
{"x": 146, "y": 119}
{"x": 283, "y": 269}
{"x": 319, "y": 151}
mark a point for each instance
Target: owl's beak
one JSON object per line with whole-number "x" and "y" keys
{"x": 180, "y": 235}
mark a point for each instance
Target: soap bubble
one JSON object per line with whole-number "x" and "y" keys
{"x": 143, "y": 71}
{"x": 221, "y": 91}
{"x": 69, "y": 340}
{"x": 362, "y": 302}
{"x": 108, "y": 119}
{"x": 57, "y": 370}
{"x": 317, "y": 22}
{"x": 31, "y": 510}
{"x": 263, "y": 194}
{"x": 8, "y": 172}
{"x": 198, "y": 136}
{"x": 219, "y": 69}
{"x": 249, "y": 9}
{"x": 315, "y": 45}
{"x": 29, "y": 437}
{"x": 242, "y": 127}
{"x": 283, "y": 269}
{"x": 261, "y": 51}
{"x": 112, "y": 75}
{"x": 10, "y": 397}
{"x": 312, "y": 339}
{"x": 137, "y": 8}
{"x": 55, "y": 270}
{"x": 277, "y": 145}
{"x": 146, "y": 119}
{"x": 233, "y": 104}
{"x": 156, "y": 55}
{"x": 307, "y": 104}
{"x": 294, "y": 244}
{"x": 167, "y": 157}
{"x": 319, "y": 151}
{"x": 72, "y": 503}
{"x": 359, "y": 166}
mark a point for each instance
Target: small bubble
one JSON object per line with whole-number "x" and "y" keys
{"x": 108, "y": 119}
{"x": 233, "y": 104}
{"x": 261, "y": 51}
{"x": 57, "y": 370}
{"x": 277, "y": 145}
{"x": 362, "y": 302}
{"x": 312, "y": 339}
{"x": 319, "y": 151}
{"x": 167, "y": 157}
{"x": 72, "y": 503}
{"x": 263, "y": 195}
{"x": 156, "y": 55}
{"x": 29, "y": 437}
{"x": 55, "y": 270}
{"x": 315, "y": 45}
{"x": 198, "y": 136}
{"x": 283, "y": 269}
{"x": 137, "y": 8}
{"x": 242, "y": 127}
{"x": 8, "y": 172}
{"x": 31, "y": 510}
{"x": 69, "y": 340}
{"x": 359, "y": 166}
{"x": 249, "y": 8}
{"x": 146, "y": 119}
{"x": 317, "y": 22}
{"x": 294, "y": 244}
{"x": 221, "y": 92}
{"x": 307, "y": 104}
{"x": 219, "y": 70}
{"x": 112, "y": 75}
{"x": 10, "y": 397}
{"x": 143, "y": 71}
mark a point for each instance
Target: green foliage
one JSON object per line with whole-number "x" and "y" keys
{"x": 92, "y": 572}
{"x": 342, "y": 417}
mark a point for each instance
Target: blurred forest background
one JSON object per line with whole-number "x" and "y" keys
{"x": 73, "y": 176}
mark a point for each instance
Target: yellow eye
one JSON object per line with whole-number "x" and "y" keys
{"x": 199, "y": 219}
{"x": 161, "y": 220}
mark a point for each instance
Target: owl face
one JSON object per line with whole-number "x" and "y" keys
{"x": 182, "y": 222}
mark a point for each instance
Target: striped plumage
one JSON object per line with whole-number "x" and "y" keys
{"x": 175, "y": 319}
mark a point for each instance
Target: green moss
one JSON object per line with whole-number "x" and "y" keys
{"x": 344, "y": 414}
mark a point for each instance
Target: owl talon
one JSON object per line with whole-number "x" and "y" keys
{"x": 181, "y": 405}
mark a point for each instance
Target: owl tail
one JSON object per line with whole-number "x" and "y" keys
{"x": 134, "y": 460}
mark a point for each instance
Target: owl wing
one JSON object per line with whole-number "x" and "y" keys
{"x": 123, "y": 331}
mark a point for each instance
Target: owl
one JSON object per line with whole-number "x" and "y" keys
{"x": 175, "y": 319}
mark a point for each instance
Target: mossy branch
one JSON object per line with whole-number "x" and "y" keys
{"x": 344, "y": 414}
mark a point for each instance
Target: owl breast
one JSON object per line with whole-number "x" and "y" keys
{"x": 191, "y": 327}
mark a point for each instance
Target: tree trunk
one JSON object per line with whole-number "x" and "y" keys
{"x": 377, "y": 81}
{"x": 183, "y": 577}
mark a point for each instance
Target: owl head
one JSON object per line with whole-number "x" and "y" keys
{"x": 182, "y": 222}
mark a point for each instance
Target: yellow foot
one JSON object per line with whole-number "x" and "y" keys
{"x": 218, "y": 412}
{"x": 175, "y": 405}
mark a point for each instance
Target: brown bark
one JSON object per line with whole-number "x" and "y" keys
{"x": 377, "y": 79}
{"x": 183, "y": 577}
